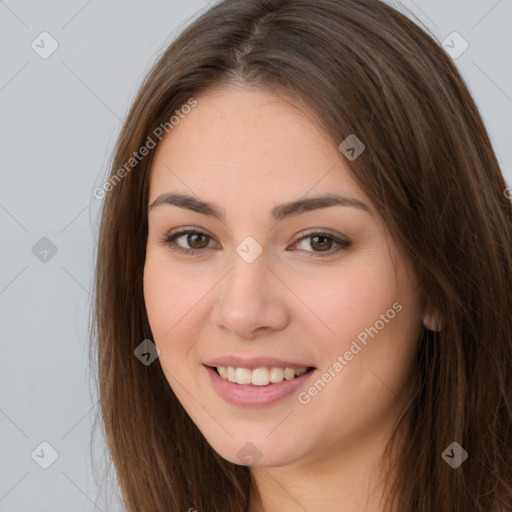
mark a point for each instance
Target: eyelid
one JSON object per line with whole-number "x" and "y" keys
{"x": 320, "y": 231}
{"x": 342, "y": 241}
{"x": 169, "y": 239}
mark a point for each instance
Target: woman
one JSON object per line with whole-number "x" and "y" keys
{"x": 303, "y": 272}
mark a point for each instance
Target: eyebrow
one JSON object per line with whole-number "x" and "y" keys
{"x": 278, "y": 212}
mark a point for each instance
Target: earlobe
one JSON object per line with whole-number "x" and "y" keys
{"x": 432, "y": 321}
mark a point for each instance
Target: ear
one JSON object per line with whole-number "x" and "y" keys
{"x": 432, "y": 320}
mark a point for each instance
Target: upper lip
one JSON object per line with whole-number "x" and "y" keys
{"x": 253, "y": 362}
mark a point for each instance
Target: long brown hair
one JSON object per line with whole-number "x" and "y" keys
{"x": 361, "y": 68}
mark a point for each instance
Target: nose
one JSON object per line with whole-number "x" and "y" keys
{"x": 250, "y": 300}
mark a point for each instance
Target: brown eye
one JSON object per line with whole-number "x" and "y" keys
{"x": 194, "y": 240}
{"x": 322, "y": 243}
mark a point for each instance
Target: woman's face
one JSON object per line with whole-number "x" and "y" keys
{"x": 276, "y": 278}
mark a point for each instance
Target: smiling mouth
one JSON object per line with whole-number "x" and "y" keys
{"x": 264, "y": 376}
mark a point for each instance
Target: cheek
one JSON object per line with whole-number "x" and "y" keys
{"x": 172, "y": 319}
{"x": 347, "y": 299}
{"x": 167, "y": 297}
{"x": 159, "y": 302}
{"x": 377, "y": 324}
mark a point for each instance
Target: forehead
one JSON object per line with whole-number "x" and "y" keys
{"x": 244, "y": 143}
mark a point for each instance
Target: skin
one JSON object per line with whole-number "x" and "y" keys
{"x": 246, "y": 151}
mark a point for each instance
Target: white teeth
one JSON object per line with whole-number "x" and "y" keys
{"x": 289, "y": 373}
{"x": 243, "y": 376}
{"x": 230, "y": 374}
{"x": 259, "y": 376}
{"x": 276, "y": 374}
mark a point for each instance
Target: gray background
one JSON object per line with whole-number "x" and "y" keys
{"x": 59, "y": 120}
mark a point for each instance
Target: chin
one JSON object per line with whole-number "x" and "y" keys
{"x": 259, "y": 452}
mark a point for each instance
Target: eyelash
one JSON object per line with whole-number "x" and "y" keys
{"x": 170, "y": 238}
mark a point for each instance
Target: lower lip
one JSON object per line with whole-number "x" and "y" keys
{"x": 254, "y": 396}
